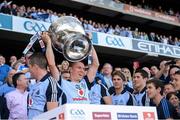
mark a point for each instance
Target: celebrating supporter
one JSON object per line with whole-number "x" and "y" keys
{"x": 154, "y": 70}
{"x": 169, "y": 87}
{"x": 8, "y": 86}
{"x": 172, "y": 71}
{"x": 155, "y": 92}
{"x": 78, "y": 86}
{"x": 46, "y": 93}
{"x": 12, "y": 60}
{"x": 4, "y": 69}
{"x": 163, "y": 73}
{"x": 24, "y": 66}
{"x": 128, "y": 76}
{"x": 17, "y": 64}
{"x": 148, "y": 71}
{"x": 121, "y": 96}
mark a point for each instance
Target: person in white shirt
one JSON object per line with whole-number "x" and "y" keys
{"x": 17, "y": 99}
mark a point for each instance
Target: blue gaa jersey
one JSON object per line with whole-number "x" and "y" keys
{"x": 142, "y": 99}
{"x": 125, "y": 98}
{"x": 97, "y": 92}
{"x": 76, "y": 92}
{"x": 46, "y": 90}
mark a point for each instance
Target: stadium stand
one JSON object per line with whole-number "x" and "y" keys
{"x": 111, "y": 22}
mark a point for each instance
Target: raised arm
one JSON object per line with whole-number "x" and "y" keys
{"x": 91, "y": 73}
{"x": 50, "y": 56}
{"x": 163, "y": 69}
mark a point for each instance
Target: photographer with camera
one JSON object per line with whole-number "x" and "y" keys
{"x": 167, "y": 70}
{"x": 163, "y": 73}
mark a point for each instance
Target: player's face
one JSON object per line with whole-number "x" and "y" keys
{"x": 33, "y": 71}
{"x": 138, "y": 80}
{"x": 77, "y": 71}
{"x": 151, "y": 91}
{"x": 117, "y": 82}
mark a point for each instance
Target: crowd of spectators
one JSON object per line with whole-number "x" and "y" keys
{"x": 151, "y": 5}
{"x": 89, "y": 25}
{"x": 114, "y": 85}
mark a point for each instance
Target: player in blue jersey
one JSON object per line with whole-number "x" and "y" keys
{"x": 78, "y": 86}
{"x": 46, "y": 94}
{"x": 139, "y": 84}
{"x": 99, "y": 93}
{"x": 165, "y": 110}
{"x": 121, "y": 96}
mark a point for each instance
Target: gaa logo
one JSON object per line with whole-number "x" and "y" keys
{"x": 34, "y": 26}
{"x": 114, "y": 41}
{"x": 77, "y": 112}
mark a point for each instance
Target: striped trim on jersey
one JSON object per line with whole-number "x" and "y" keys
{"x": 165, "y": 108}
{"x": 54, "y": 89}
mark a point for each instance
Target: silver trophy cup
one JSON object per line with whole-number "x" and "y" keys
{"x": 69, "y": 38}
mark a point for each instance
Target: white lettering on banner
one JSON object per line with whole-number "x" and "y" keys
{"x": 143, "y": 46}
{"x": 165, "y": 49}
{"x": 101, "y": 115}
{"x": 114, "y": 41}
{"x": 127, "y": 115}
{"x": 162, "y": 49}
